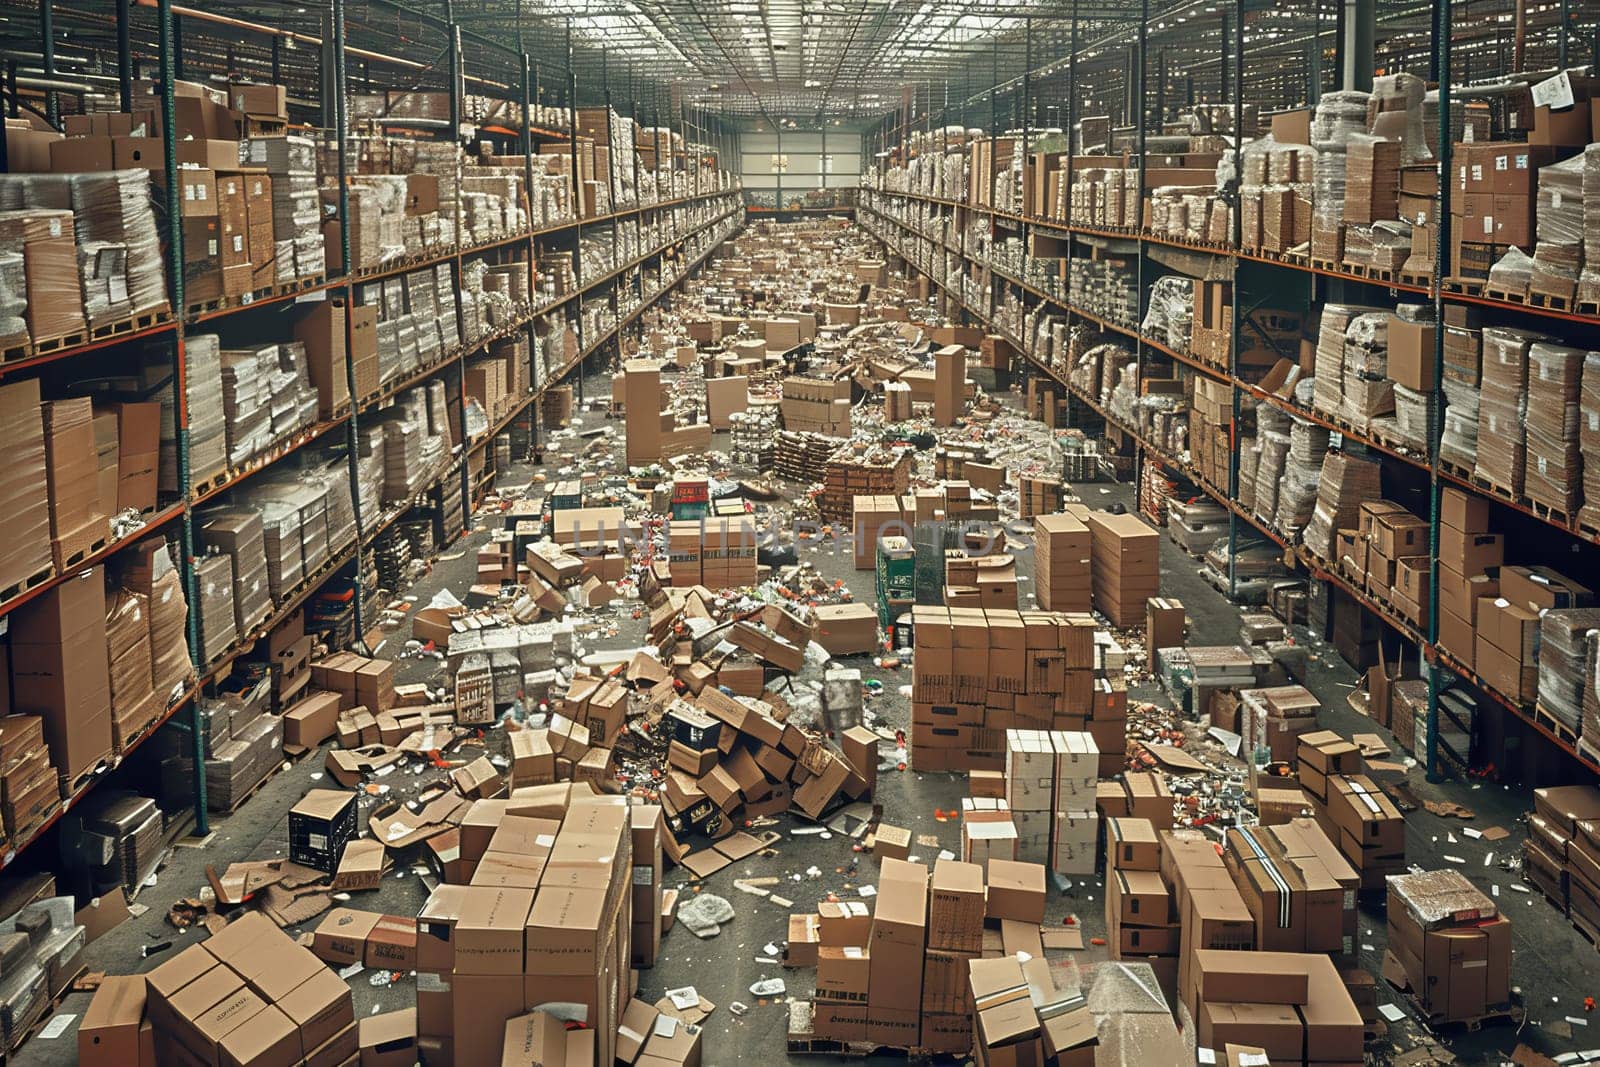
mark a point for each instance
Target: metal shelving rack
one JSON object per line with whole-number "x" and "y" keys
{"x": 1337, "y": 53}
{"x": 525, "y": 88}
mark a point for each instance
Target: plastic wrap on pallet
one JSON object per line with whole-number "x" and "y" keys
{"x": 1512, "y": 272}
{"x": 13, "y": 299}
{"x": 1402, "y": 92}
{"x": 1458, "y": 445}
{"x": 1368, "y": 392}
{"x": 1589, "y": 442}
{"x": 114, "y": 207}
{"x": 1503, "y": 407}
{"x": 1249, "y": 464}
{"x": 1554, "y": 464}
{"x": 1590, "y": 185}
{"x": 1170, "y": 316}
{"x": 1411, "y": 416}
{"x": 1559, "y": 218}
{"x": 1339, "y": 116}
{"x": 1563, "y": 655}
{"x": 1274, "y": 446}
{"x": 208, "y": 439}
{"x": 1302, "y": 473}
{"x": 1346, "y": 482}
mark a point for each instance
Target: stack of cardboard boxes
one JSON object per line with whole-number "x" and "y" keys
{"x": 651, "y": 434}
{"x": 26, "y": 555}
{"x": 545, "y": 918}
{"x": 30, "y": 791}
{"x": 1297, "y": 886}
{"x": 1062, "y": 564}
{"x": 1051, "y": 777}
{"x": 978, "y": 673}
{"x": 850, "y": 473}
{"x": 248, "y": 994}
{"x": 1021, "y": 1017}
{"x": 1125, "y": 566}
{"x": 816, "y": 405}
{"x": 1292, "y": 1006}
{"x": 1140, "y": 921}
{"x": 1562, "y": 852}
{"x": 1211, "y": 912}
{"x": 1469, "y": 566}
{"x": 955, "y": 939}
{"x": 979, "y": 581}
{"x": 1275, "y": 718}
{"x": 1506, "y": 649}
{"x": 718, "y": 553}
{"x": 60, "y": 671}
{"x": 1360, "y": 818}
{"x": 1492, "y": 200}
{"x": 875, "y": 517}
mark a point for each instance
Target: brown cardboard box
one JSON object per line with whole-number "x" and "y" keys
{"x": 1015, "y": 891}
{"x": 1252, "y": 977}
{"x": 108, "y": 1034}
{"x": 60, "y": 671}
{"x": 262, "y": 101}
{"x": 323, "y": 1009}
{"x": 50, "y": 263}
{"x": 843, "y": 973}
{"x": 488, "y": 932}
{"x": 1411, "y": 353}
{"x": 388, "y": 1040}
{"x": 436, "y": 924}
{"x": 392, "y": 944}
{"x": 341, "y": 937}
{"x": 1132, "y": 845}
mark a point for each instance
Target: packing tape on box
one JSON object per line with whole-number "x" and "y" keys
{"x": 1272, "y": 872}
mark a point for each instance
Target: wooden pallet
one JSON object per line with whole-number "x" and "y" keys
{"x": 210, "y": 483}
{"x": 1464, "y": 286}
{"x": 1549, "y": 301}
{"x": 1589, "y": 307}
{"x": 70, "y": 555}
{"x": 133, "y": 324}
{"x": 1566, "y": 733}
{"x": 72, "y": 786}
{"x": 1370, "y": 273}
{"x": 45, "y": 345}
{"x": 1505, "y": 296}
{"x": 16, "y": 589}
{"x": 1557, "y": 516}
{"x": 1421, "y": 281}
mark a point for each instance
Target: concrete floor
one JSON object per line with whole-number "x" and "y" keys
{"x": 1554, "y": 966}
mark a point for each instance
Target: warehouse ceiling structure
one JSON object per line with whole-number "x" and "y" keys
{"x": 787, "y": 64}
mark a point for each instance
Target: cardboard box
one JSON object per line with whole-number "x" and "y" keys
{"x": 1016, "y": 891}
{"x": 488, "y": 930}
{"x": 108, "y": 1034}
{"x": 1411, "y": 353}
{"x": 341, "y": 937}
{"x": 321, "y": 824}
{"x": 388, "y": 1040}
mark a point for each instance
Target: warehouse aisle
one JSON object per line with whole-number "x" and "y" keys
{"x": 810, "y": 867}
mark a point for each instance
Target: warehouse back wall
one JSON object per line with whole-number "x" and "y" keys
{"x": 814, "y": 160}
